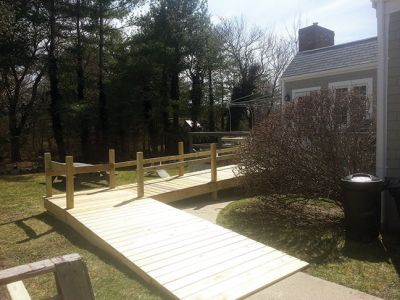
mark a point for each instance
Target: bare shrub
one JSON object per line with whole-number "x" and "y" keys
{"x": 305, "y": 148}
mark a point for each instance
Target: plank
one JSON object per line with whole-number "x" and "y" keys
{"x": 252, "y": 282}
{"x": 137, "y": 227}
{"x": 206, "y": 262}
{"x": 196, "y": 242}
{"x": 198, "y": 258}
{"x": 212, "y": 242}
{"x": 182, "y": 255}
{"x": 18, "y": 291}
{"x": 160, "y": 241}
{"x": 208, "y": 282}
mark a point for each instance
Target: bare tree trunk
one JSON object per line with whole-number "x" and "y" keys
{"x": 211, "y": 121}
{"x": 175, "y": 99}
{"x": 102, "y": 95}
{"x": 14, "y": 135}
{"x": 55, "y": 106}
{"x": 13, "y": 123}
{"x": 174, "y": 92}
{"x": 196, "y": 95}
{"x": 84, "y": 130}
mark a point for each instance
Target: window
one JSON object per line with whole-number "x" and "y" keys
{"x": 306, "y": 92}
{"x": 362, "y": 87}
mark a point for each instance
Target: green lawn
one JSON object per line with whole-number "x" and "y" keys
{"x": 314, "y": 232}
{"x": 29, "y": 234}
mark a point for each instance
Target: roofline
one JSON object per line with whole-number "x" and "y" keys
{"x": 331, "y": 72}
{"x": 339, "y": 45}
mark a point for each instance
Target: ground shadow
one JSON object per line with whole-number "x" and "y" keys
{"x": 75, "y": 239}
{"x": 199, "y": 202}
{"x": 310, "y": 232}
{"x": 391, "y": 242}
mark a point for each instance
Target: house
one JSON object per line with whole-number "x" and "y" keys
{"x": 320, "y": 64}
{"x": 388, "y": 104}
{"x": 371, "y": 66}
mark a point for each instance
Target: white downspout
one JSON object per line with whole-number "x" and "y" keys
{"x": 381, "y": 107}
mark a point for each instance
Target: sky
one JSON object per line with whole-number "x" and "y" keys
{"x": 350, "y": 19}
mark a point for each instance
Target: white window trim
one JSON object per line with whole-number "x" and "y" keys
{"x": 309, "y": 89}
{"x": 349, "y": 84}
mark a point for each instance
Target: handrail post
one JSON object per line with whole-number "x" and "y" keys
{"x": 69, "y": 172}
{"x": 49, "y": 179}
{"x": 190, "y": 146}
{"x": 140, "y": 174}
{"x": 181, "y": 152}
{"x": 111, "y": 161}
{"x": 213, "y": 156}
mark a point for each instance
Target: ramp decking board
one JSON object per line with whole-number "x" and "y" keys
{"x": 182, "y": 255}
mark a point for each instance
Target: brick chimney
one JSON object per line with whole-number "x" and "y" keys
{"x": 314, "y": 37}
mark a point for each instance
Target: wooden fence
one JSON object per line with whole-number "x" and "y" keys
{"x": 179, "y": 162}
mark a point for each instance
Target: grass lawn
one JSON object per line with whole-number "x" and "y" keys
{"x": 29, "y": 234}
{"x": 314, "y": 232}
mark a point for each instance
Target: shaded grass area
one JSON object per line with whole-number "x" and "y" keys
{"x": 28, "y": 234}
{"x": 314, "y": 231}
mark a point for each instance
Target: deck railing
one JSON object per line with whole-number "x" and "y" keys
{"x": 179, "y": 162}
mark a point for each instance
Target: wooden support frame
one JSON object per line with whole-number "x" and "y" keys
{"x": 140, "y": 174}
{"x": 49, "y": 179}
{"x": 69, "y": 187}
{"x": 71, "y": 275}
{"x": 111, "y": 161}
{"x": 213, "y": 157}
{"x": 180, "y": 161}
{"x": 181, "y": 152}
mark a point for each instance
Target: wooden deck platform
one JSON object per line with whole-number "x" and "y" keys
{"x": 180, "y": 254}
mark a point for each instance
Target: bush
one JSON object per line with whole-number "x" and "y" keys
{"x": 306, "y": 147}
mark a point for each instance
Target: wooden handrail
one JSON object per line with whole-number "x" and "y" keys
{"x": 132, "y": 163}
{"x": 173, "y": 165}
{"x": 49, "y": 179}
{"x": 69, "y": 186}
{"x": 179, "y": 162}
{"x": 111, "y": 161}
{"x": 124, "y": 164}
{"x": 228, "y": 150}
{"x": 213, "y": 157}
{"x": 181, "y": 152}
{"x": 70, "y": 273}
{"x": 93, "y": 169}
{"x": 140, "y": 174}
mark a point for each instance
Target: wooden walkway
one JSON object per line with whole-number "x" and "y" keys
{"x": 184, "y": 256}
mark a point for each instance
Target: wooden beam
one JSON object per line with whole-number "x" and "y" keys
{"x": 181, "y": 152}
{"x": 166, "y": 166}
{"x": 140, "y": 174}
{"x": 213, "y": 156}
{"x": 49, "y": 180}
{"x": 228, "y": 150}
{"x": 33, "y": 269}
{"x": 73, "y": 280}
{"x": 111, "y": 161}
{"x": 69, "y": 189}
{"x": 18, "y": 291}
{"x": 227, "y": 156}
{"x": 124, "y": 164}
{"x": 92, "y": 169}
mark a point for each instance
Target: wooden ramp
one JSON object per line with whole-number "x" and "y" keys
{"x": 180, "y": 254}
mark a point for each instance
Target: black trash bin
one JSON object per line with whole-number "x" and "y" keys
{"x": 361, "y": 195}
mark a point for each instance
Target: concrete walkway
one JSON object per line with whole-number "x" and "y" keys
{"x": 299, "y": 286}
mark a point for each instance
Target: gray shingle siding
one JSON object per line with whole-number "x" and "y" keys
{"x": 393, "y": 97}
{"x": 334, "y": 57}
